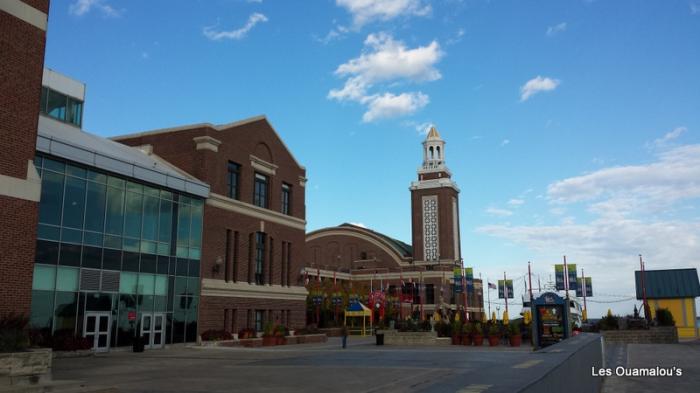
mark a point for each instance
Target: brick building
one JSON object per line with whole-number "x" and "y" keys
{"x": 22, "y": 42}
{"x": 372, "y": 260}
{"x": 254, "y": 220}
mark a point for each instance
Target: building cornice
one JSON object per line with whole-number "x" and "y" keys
{"x": 207, "y": 143}
{"x": 211, "y": 287}
{"x": 433, "y": 183}
{"x": 236, "y": 206}
{"x": 25, "y": 12}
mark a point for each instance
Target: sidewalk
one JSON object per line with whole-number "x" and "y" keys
{"x": 685, "y": 355}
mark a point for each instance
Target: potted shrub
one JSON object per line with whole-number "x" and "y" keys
{"x": 280, "y": 333}
{"x": 269, "y": 338}
{"x": 456, "y": 331}
{"x": 494, "y": 335}
{"x": 514, "y": 335}
{"x": 467, "y": 330}
{"x": 477, "y": 335}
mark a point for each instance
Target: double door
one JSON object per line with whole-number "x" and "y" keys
{"x": 96, "y": 329}
{"x": 152, "y": 329}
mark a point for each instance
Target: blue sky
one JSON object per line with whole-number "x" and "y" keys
{"x": 571, "y": 126}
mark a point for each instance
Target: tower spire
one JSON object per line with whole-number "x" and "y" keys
{"x": 433, "y": 153}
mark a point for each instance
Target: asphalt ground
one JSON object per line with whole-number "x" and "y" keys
{"x": 362, "y": 367}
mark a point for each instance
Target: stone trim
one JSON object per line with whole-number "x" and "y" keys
{"x": 263, "y": 166}
{"x": 25, "y": 12}
{"x": 302, "y": 181}
{"x": 433, "y": 183}
{"x": 207, "y": 143}
{"x": 28, "y": 189}
{"x": 236, "y": 206}
{"x": 211, "y": 287}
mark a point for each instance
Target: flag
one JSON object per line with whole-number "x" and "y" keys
{"x": 492, "y": 286}
{"x": 306, "y": 278}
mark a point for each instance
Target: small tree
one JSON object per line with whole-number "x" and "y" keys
{"x": 664, "y": 317}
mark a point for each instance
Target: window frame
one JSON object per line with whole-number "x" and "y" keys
{"x": 233, "y": 170}
{"x": 261, "y": 183}
{"x": 286, "y": 199}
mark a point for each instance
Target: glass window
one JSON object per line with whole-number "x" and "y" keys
{"x": 71, "y": 236}
{"x": 95, "y": 207}
{"x": 133, "y": 214}
{"x": 130, "y": 261}
{"x": 96, "y": 176}
{"x": 44, "y": 98}
{"x": 56, "y": 105}
{"x": 112, "y": 259}
{"x": 53, "y": 165}
{"x": 66, "y": 310}
{"x": 183, "y": 225}
{"x": 196, "y": 225}
{"x": 48, "y": 232}
{"x": 67, "y": 279}
{"x": 148, "y": 263}
{"x": 234, "y": 173}
{"x": 259, "y": 257}
{"x": 92, "y": 257}
{"x": 42, "y": 310}
{"x": 193, "y": 270}
{"x": 44, "y": 278}
{"x": 150, "y": 218}
{"x": 51, "y": 198}
{"x": 116, "y": 182}
{"x": 146, "y": 284}
{"x": 127, "y": 283}
{"x": 115, "y": 214}
{"x": 286, "y": 198}
{"x": 193, "y": 285}
{"x": 76, "y": 171}
{"x": 429, "y": 294}
{"x": 74, "y": 202}
{"x": 70, "y": 254}
{"x": 166, "y": 221}
{"x": 46, "y": 252}
{"x": 131, "y": 245}
{"x": 113, "y": 242}
{"x": 258, "y": 320}
{"x": 93, "y": 238}
{"x": 260, "y": 190}
{"x": 75, "y": 112}
{"x": 180, "y": 286}
{"x": 161, "y": 285}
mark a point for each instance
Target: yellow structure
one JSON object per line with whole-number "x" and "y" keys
{"x": 675, "y": 290}
{"x": 359, "y": 310}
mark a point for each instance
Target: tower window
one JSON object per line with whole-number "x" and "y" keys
{"x": 432, "y": 153}
{"x": 261, "y": 190}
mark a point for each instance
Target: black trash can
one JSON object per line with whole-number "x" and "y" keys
{"x": 139, "y": 344}
{"x": 380, "y": 338}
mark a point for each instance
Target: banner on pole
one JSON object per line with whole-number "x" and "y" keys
{"x": 588, "y": 287}
{"x": 559, "y": 276}
{"x": 573, "y": 284}
{"x": 469, "y": 278}
{"x": 505, "y": 287}
{"x": 458, "y": 279}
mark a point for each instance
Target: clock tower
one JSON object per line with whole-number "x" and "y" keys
{"x": 435, "y": 207}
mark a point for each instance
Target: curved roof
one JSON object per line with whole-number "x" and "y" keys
{"x": 400, "y": 249}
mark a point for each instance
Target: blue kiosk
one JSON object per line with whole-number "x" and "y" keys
{"x": 550, "y": 320}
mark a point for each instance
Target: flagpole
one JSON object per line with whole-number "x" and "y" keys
{"x": 584, "y": 290}
{"x": 505, "y": 290}
{"x": 488, "y": 293}
{"x": 401, "y": 295}
{"x": 529, "y": 277}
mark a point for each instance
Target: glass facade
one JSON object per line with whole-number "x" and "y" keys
{"x": 115, "y": 246}
{"x": 61, "y": 107}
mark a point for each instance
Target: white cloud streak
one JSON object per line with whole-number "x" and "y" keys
{"x": 494, "y": 211}
{"x": 536, "y": 85}
{"x": 366, "y": 11}
{"x": 556, "y": 29}
{"x": 237, "y": 34}
{"x": 83, "y": 7}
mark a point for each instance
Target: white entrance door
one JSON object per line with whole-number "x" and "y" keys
{"x": 97, "y": 329}
{"x": 152, "y": 326}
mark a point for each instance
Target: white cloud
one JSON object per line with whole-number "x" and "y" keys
{"x": 668, "y": 137}
{"x": 82, "y": 7}
{"x": 516, "y": 202}
{"x": 365, "y": 11}
{"x": 556, "y": 29}
{"x": 389, "y": 105}
{"x": 336, "y": 33}
{"x": 695, "y": 8}
{"x": 673, "y": 177}
{"x": 255, "y": 1}
{"x": 236, "y": 34}
{"x": 457, "y": 37}
{"x": 505, "y": 142}
{"x": 536, "y": 85}
{"x": 385, "y": 60}
{"x": 494, "y": 211}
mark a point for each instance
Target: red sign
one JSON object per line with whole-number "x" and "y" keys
{"x": 132, "y": 315}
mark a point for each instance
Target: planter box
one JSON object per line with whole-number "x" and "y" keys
{"x": 394, "y": 337}
{"x": 654, "y": 335}
{"x": 30, "y": 367}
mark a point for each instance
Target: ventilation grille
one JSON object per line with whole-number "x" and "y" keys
{"x": 89, "y": 280}
{"x": 110, "y": 281}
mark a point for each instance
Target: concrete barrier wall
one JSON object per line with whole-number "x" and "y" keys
{"x": 573, "y": 373}
{"x": 654, "y": 335}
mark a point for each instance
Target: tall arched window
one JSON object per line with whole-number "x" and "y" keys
{"x": 432, "y": 153}
{"x": 438, "y": 152}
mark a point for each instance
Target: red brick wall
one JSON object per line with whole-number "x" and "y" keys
{"x": 21, "y": 66}
{"x": 324, "y": 251}
{"x": 213, "y": 314}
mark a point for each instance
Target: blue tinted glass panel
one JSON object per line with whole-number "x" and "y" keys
{"x": 48, "y": 232}
{"x": 115, "y": 213}
{"x": 74, "y": 203}
{"x": 133, "y": 214}
{"x": 166, "y": 218}
{"x": 95, "y": 206}
{"x": 51, "y": 198}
